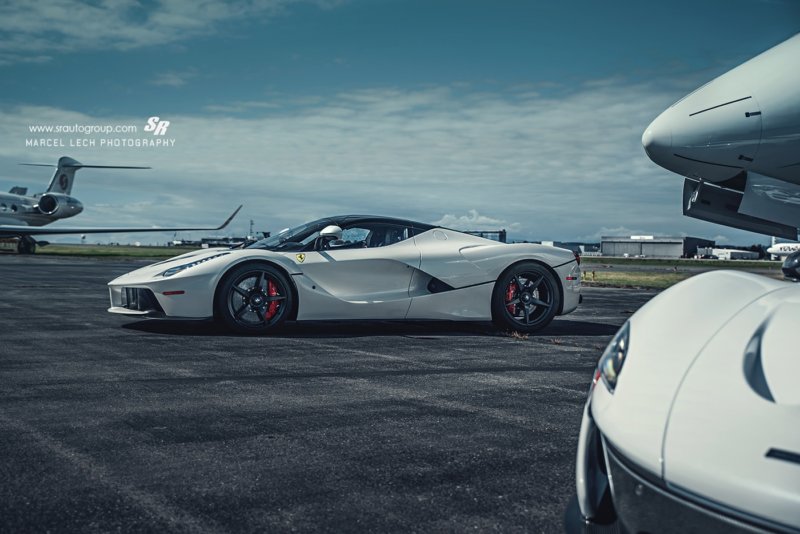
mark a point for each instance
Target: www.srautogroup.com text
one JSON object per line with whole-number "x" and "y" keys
{"x": 85, "y": 129}
{"x": 113, "y": 142}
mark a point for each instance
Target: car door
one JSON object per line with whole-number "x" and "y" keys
{"x": 366, "y": 276}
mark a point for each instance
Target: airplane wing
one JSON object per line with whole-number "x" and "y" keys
{"x": 20, "y": 231}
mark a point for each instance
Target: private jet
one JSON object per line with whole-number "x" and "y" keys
{"x": 23, "y": 216}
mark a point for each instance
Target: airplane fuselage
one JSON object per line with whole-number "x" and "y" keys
{"x": 37, "y": 210}
{"x": 747, "y": 119}
{"x": 783, "y": 249}
{"x": 737, "y": 141}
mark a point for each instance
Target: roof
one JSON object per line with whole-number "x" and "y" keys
{"x": 349, "y": 219}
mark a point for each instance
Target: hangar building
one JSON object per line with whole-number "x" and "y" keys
{"x": 649, "y": 246}
{"x": 734, "y": 254}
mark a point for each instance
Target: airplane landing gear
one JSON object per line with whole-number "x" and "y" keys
{"x": 26, "y": 245}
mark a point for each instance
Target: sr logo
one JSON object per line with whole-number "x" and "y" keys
{"x": 156, "y": 125}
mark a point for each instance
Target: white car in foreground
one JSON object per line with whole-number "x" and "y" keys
{"x": 358, "y": 267}
{"x": 693, "y": 417}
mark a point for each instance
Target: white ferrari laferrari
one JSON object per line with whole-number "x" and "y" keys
{"x": 358, "y": 267}
{"x": 693, "y": 417}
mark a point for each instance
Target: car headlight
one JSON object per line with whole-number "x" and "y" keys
{"x": 610, "y": 365}
{"x": 179, "y": 268}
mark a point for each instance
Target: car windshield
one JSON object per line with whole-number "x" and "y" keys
{"x": 292, "y": 239}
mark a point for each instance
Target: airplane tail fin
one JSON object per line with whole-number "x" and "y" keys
{"x": 65, "y": 173}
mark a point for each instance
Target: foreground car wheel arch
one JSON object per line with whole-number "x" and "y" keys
{"x": 255, "y": 297}
{"x": 526, "y": 297}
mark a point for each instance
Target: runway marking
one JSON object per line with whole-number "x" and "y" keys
{"x": 149, "y": 503}
{"x": 494, "y": 413}
{"x": 165, "y": 367}
{"x": 498, "y": 370}
{"x": 363, "y": 352}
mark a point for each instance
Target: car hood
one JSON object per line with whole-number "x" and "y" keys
{"x": 216, "y": 258}
{"x": 734, "y": 429}
{"x": 666, "y": 336}
{"x": 157, "y": 268}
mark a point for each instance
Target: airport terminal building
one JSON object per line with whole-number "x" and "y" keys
{"x": 648, "y": 246}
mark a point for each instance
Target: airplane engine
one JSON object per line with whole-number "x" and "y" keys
{"x": 48, "y": 204}
{"x": 59, "y": 205}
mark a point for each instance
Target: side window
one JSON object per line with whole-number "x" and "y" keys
{"x": 383, "y": 235}
{"x": 373, "y": 235}
{"x": 355, "y": 234}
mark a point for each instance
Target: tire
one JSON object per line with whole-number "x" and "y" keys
{"x": 26, "y": 245}
{"x": 247, "y": 310}
{"x": 526, "y": 298}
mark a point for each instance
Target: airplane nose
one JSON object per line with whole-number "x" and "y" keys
{"x": 657, "y": 140}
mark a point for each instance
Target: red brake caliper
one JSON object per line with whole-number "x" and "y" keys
{"x": 511, "y": 291}
{"x": 272, "y": 309}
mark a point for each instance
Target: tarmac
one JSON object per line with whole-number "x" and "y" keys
{"x": 112, "y": 424}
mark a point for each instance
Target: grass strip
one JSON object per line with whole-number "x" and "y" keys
{"x": 112, "y": 251}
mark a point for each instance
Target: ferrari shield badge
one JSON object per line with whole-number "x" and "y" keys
{"x": 300, "y": 257}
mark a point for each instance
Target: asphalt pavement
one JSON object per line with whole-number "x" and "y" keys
{"x": 111, "y": 424}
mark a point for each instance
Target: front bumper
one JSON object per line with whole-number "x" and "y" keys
{"x": 179, "y": 297}
{"x": 644, "y": 505}
{"x": 641, "y": 501}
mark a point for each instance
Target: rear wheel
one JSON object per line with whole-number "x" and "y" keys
{"x": 525, "y": 298}
{"x": 26, "y": 245}
{"x": 254, "y": 298}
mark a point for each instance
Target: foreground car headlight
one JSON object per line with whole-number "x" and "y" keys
{"x": 179, "y": 268}
{"x": 610, "y": 365}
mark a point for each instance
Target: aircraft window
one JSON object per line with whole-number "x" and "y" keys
{"x": 3, "y": 207}
{"x": 14, "y": 208}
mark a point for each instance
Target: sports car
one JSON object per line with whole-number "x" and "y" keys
{"x": 358, "y": 267}
{"x": 693, "y": 418}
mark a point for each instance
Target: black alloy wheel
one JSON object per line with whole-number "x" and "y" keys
{"x": 526, "y": 298}
{"x": 254, "y": 298}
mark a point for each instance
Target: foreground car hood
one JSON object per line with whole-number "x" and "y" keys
{"x": 666, "y": 336}
{"x": 734, "y": 430}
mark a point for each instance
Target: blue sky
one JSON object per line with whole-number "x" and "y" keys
{"x": 476, "y": 114}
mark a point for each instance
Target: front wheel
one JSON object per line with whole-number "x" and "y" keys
{"x": 254, "y": 298}
{"x": 525, "y": 298}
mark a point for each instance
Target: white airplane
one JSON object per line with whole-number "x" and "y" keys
{"x": 736, "y": 140}
{"x": 783, "y": 249}
{"x": 23, "y": 216}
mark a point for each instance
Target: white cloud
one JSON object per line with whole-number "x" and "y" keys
{"x": 173, "y": 78}
{"x": 721, "y": 239}
{"x": 545, "y": 167}
{"x": 40, "y": 29}
{"x": 474, "y": 221}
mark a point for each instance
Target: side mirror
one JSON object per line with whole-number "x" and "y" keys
{"x": 791, "y": 267}
{"x": 331, "y": 231}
